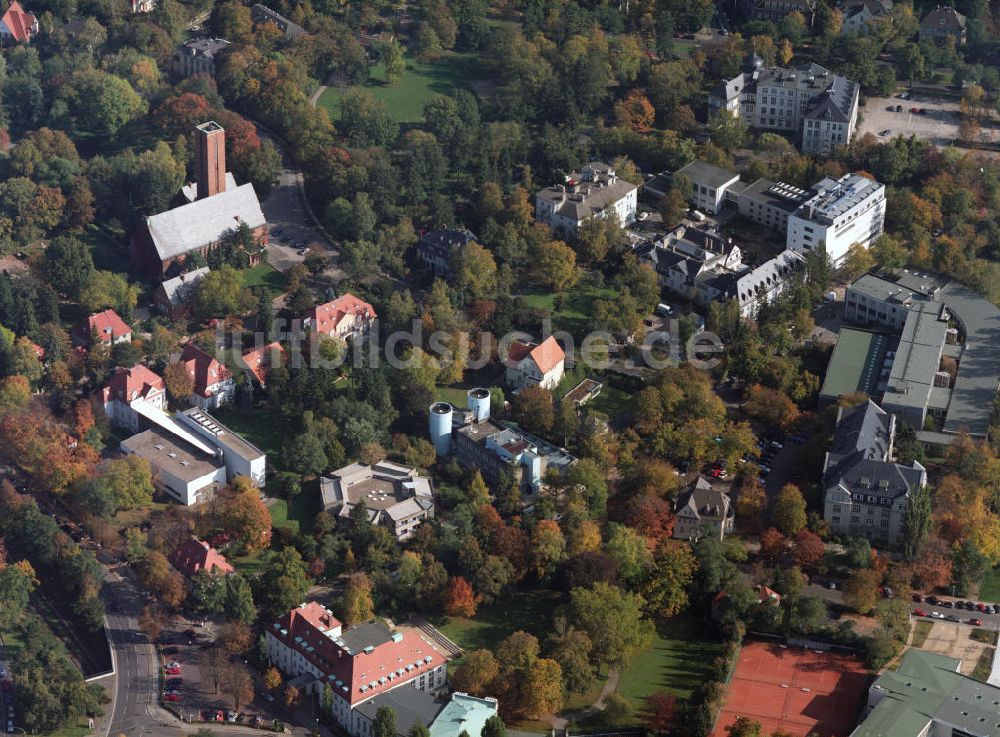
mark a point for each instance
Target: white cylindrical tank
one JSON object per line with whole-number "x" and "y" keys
{"x": 478, "y": 402}
{"x": 440, "y": 427}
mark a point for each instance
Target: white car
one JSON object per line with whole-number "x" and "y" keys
{"x": 936, "y": 615}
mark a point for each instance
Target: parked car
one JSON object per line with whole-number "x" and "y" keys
{"x": 932, "y": 599}
{"x": 903, "y": 95}
{"x": 302, "y": 251}
{"x": 831, "y": 584}
{"x": 952, "y": 618}
{"x": 919, "y": 613}
{"x": 173, "y": 664}
{"x": 268, "y": 697}
{"x": 171, "y": 697}
{"x": 960, "y": 604}
{"x": 174, "y": 682}
{"x": 981, "y": 607}
{"x": 918, "y": 598}
{"x": 231, "y": 716}
{"x": 173, "y": 671}
{"x": 885, "y": 132}
{"x": 899, "y": 108}
{"x": 946, "y": 604}
{"x": 975, "y": 621}
{"x": 170, "y": 650}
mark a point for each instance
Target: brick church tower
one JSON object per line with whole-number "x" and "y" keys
{"x": 210, "y": 158}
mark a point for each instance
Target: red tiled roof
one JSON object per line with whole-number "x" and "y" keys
{"x": 138, "y": 382}
{"x": 194, "y": 555}
{"x": 203, "y": 368}
{"x": 546, "y": 356}
{"x": 377, "y": 670}
{"x": 105, "y": 325}
{"x": 259, "y": 360}
{"x": 327, "y": 317}
{"x": 19, "y": 23}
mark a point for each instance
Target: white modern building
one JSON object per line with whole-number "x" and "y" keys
{"x": 240, "y": 457}
{"x": 185, "y": 471}
{"x": 840, "y": 213}
{"x": 709, "y": 184}
{"x": 595, "y": 191}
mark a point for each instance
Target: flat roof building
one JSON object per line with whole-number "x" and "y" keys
{"x": 856, "y": 365}
{"x": 183, "y": 471}
{"x": 839, "y": 214}
{"x": 708, "y": 184}
{"x": 395, "y": 496}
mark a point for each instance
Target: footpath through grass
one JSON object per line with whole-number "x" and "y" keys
{"x": 422, "y": 80}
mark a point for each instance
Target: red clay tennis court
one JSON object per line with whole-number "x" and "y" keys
{"x": 800, "y": 691}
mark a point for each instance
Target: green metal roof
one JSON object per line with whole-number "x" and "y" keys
{"x": 928, "y": 687}
{"x": 855, "y": 363}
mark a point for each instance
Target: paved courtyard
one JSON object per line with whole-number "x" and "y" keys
{"x": 952, "y": 639}
{"x": 939, "y": 124}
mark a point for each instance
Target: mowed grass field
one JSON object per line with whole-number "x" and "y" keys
{"x": 677, "y": 662}
{"x": 422, "y": 80}
{"x": 989, "y": 589}
{"x": 530, "y": 611}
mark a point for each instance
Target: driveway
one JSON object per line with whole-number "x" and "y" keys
{"x": 952, "y": 639}
{"x": 939, "y": 124}
{"x": 290, "y": 225}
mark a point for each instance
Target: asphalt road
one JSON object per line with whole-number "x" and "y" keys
{"x": 133, "y": 708}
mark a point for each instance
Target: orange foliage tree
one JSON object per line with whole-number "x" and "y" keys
{"x": 460, "y": 600}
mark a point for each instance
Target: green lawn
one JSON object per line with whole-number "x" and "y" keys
{"x": 265, "y": 275}
{"x": 989, "y": 589}
{"x": 260, "y": 429}
{"x": 920, "y": 631}
{"x": 530, "y": 611}
{"x": 422, "y": 80}
{"x": 452, "y": 394}
{"x": 577, "y": 308}
{"x": 612, "y": 401}
{"x": 299, "y": 515}
{"x": 677, "y": 662}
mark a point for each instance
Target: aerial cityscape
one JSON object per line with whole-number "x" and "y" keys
{"x": 499, "y": 368}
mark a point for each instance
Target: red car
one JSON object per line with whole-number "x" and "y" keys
{"x": 914, "y": 110}
{"x": 173, "y": 671}
{"x": 715, "y": 472}
{"x": 975, "y": 621}
{"x": 981, "y": 607}
{"x": 171, "y": 697}
{"x": 919, "y": 613}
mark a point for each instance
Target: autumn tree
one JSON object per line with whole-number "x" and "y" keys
{"x": 534, "y": 408}
{"x": 179, "y": 383}
{"x": 673, "y": 207}
{"x": 772, "y": 545}
{"x": 668, "y": 578}
{"x": 635, "y": 112}
{"x": 272, "y": 678}
{"x": 807, "y": 548}
{"x": 861, "y": 591}
{"x": 554, "y": 266}
{"x": 238, "y": 684}
{"x": 245, "y": 515}
{"x": 771, "y": 407}
{"x": 548, "y": 547}
{"x": 659, "y": 710}
{"x": 152, "y": 621}
{"x": 751, "y": 498}
{"x": 476, "y": 673}
{"x": 358, "y": 604}
{"x": 460, "y": 600}
{"x": 290, "y": 696}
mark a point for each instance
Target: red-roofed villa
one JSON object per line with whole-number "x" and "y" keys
{"x": 213, "y": 382}
{"x": 260, "y": 360}
{"x": 344, "y": 317}
{"x": 194, "y": 555}
{"x": 106, "y": 327}
{"x": 17, "y": 25}
{"x": 535, "y": 365}
{"x": 128, "y": 386}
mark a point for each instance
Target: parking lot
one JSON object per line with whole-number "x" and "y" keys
{"x": 938, "y": 123}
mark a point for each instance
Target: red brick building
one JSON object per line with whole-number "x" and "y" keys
{"x": 194, "y": 555}
{"x": 215, "y": 206}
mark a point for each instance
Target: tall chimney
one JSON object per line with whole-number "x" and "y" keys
{"x": 210, "y": 159}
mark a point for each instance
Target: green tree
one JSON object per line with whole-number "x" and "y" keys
{"x": 385, "y": 722}
{"x": 284, "y": 583}
{"x": 629, "y": 551}
{"x": 394, "y": 61}
{"x": 68, "y": 265}
{"x": 613, "y": 621}
{"x": 916, "y": 522}
{"x": 102, "y": 103}
{"x": 494, "y": 727}
{"x": 237, "y": 600}
{"x": 673, "y": 207}
{"x": 789, "y": 512}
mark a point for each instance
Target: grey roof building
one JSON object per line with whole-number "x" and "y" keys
{"x": 594, "y": 191}
{"x": 395, "y": 496}
{"x": 941, "y": 23}
{"x": 818, "y": 107}
{"x": 709, "y": 184}
{"x": 775, "y": 10}
{"x": 437, "y": 248}
{"x": 198, "y": 56}
{"x": 411, "y": 706}
{"x": 935, "y": 318}
{"x": 173, "y": 295}
{"x": 703, "y": 510}
{"x": 263, "y": 14}
{"x": 866, "y": 493}
{"x": 861, "y": 16}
